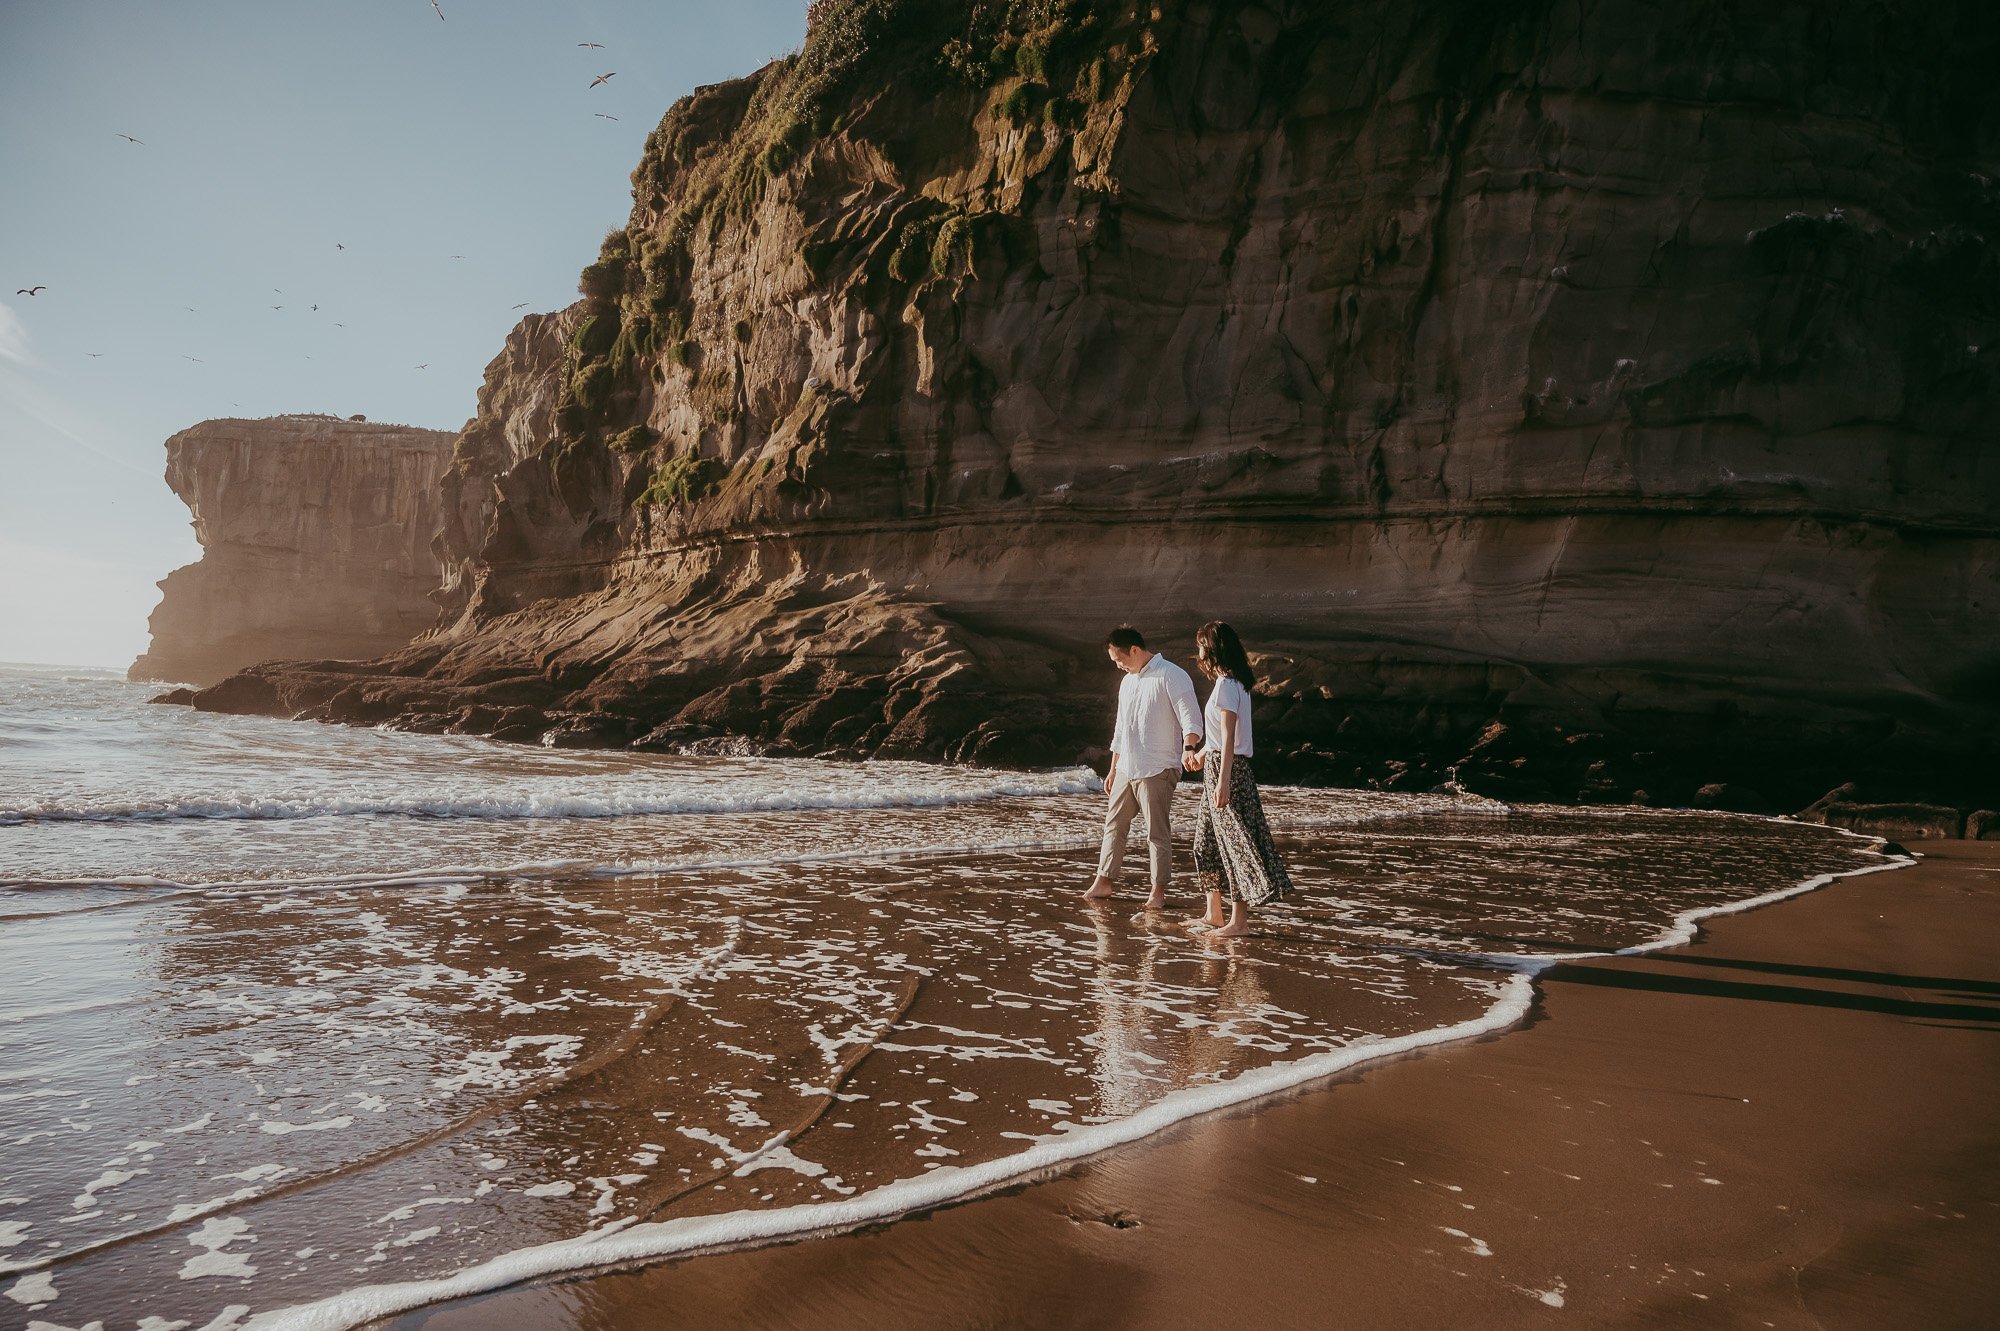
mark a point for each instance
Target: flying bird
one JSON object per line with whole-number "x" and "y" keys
{"x": 29, "y": 291}
{"x": 602, "y": 116}
{"x": 425, "y": 366}
{"x": 129, "y": 139}
{"x": 604, "y": 78}
{"x": 458, "y": 256}
{"x": 277, "y": 307}
{"x": 434, "y": 5}
{"x": 337, "y": 245}
{"x": 315, "y": 307}
{"x": 340, "y": 325}
{"x": 93, "y": 354}
{"x": 523, "y": 305}
{"x": 195, "y": 359}
{"x": 595, "y": 46}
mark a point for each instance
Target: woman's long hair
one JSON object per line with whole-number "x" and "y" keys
{"x": 1218, "y": 651}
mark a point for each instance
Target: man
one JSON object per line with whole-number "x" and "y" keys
{"x": 1159, "y": 723}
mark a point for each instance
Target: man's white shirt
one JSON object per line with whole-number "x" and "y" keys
{"x": 1156, "y": 707}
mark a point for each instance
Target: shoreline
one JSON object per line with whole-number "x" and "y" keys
{"x": 1107, "y": 1239}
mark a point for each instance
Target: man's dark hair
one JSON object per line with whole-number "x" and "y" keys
{"x": 1125, "y": 638}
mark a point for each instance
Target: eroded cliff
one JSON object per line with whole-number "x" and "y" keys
{"x": 316, "y": 538}
{"x": 1584, "y": 399}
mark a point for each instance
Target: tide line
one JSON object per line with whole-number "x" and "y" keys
{"x": 629, "y": 1242}
{"x": 872, "y": 795}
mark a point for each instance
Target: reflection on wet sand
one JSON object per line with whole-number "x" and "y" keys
{"x": 261, "y": 1098}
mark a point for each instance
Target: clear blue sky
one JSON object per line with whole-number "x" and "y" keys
{"x": 273, "y": 132}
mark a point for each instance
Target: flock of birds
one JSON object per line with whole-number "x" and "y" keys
{"x": 597, "y": 82}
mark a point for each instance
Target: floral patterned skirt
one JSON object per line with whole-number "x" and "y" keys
{"x": 1233, "y": 850}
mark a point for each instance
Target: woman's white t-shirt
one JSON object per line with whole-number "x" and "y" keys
{"x": 1228, "y": 695}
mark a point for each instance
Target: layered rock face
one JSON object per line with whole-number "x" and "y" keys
{"x": 316, "y": 541}
{"x": 1581, "y": 401}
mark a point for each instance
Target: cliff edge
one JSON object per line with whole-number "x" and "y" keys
{"x": 1586, "y": 402}
{"x": 316, "y": 542}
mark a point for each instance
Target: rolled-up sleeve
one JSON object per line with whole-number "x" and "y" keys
{"x": 1181, "y": 689}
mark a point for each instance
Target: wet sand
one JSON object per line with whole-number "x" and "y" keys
{"x": 1790, "y": 1123}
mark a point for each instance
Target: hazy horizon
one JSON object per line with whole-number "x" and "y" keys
{"x": 268, "y": 139}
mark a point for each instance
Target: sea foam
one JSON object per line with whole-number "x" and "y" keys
{"x": 866, "y": 792}
{"x": 627, "y": 1242}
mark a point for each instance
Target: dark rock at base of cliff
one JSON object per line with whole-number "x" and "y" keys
{"x": 245, "y": 694}
{"x": 868, "y": 677}
{"x": 1907, "y": 819}
{"x": 951, "y": 714}
{"x": 180, "y": 697}
{"x": 592, "y": 730}
{"x": 1912, "y": 822}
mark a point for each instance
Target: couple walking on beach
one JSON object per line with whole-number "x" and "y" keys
{"x": 1160, "y": 733}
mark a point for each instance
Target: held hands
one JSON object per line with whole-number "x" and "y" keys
{"x": 1191, "y": 761}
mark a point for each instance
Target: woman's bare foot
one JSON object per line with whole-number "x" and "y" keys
{"x": 1239, "y": 923}
{"x": 1213, "y": 918}
{"x": 1157, "y": 901}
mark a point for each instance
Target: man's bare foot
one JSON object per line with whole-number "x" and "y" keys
{"x": 1099, "y": 889}
{"x": 1233, "y": 929}
{"x": 1157, "y": 901}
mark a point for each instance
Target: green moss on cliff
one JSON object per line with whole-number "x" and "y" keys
{"x": 953, "y": 245}
{"x": 679, "y": 481}
{"x": 605, "y": 280}
{"x": 905, "y": 262}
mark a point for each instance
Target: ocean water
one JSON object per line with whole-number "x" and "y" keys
{"x": 303, "y": 1025}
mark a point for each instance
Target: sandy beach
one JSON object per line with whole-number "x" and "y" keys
{"x": 1787, "y": 1124}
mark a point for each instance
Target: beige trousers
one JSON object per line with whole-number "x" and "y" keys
{"x": 1154, "y": 796}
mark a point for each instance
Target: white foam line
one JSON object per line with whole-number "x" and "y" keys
{"x": 1687, "y": 924}
{"x": 132, "y": 883}
{"x": 657, "y": 1239}
{"x": 463, "y": 874}
{"x": 457, "y": 874}
{"x": 941, "y": 851}
{"x": 872, "y": 795}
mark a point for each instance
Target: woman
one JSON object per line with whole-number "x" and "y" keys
{"x": 1233, "y": 852}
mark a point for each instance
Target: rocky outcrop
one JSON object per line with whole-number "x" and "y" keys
{"x": 1579, "y": 402}
{"x": 316, "y": 541}
{"x": 1847, "y": 807}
